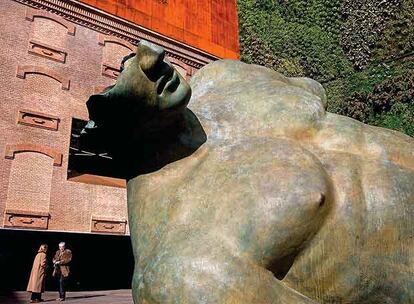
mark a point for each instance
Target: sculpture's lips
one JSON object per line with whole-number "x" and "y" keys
{"x": 165, "y": 80}
{"x": 173, "y": 83}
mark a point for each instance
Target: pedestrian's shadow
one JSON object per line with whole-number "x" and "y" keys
{"x": 76, "y": 298}
{"x": 85, "y": 297}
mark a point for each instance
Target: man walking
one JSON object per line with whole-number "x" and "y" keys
{"x": 61, "y": 268}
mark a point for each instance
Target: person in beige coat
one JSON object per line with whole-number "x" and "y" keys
{"x": 36, "y": 283}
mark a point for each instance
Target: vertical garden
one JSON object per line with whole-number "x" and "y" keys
{"x": 362, "y": 51}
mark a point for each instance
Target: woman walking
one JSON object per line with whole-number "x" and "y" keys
{"x": 37, "y": 277}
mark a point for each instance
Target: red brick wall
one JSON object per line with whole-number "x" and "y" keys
{"x": 210, "y": 25}
{"x": 49, "y": 66}
{"x": 70, "y": 205}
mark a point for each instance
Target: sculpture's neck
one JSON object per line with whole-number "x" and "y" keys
{"x": 152, "y": 150}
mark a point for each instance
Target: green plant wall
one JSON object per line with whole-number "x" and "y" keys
{"x": 362, "y": 51}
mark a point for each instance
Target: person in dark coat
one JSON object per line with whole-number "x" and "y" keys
{"x": 61, "y": 268}
{"x": 36, "y": 283}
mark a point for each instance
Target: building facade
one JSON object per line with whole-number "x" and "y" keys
{"x": 54, "y": 54}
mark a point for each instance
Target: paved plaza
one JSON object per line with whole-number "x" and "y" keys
{"x": 82, "y": 297}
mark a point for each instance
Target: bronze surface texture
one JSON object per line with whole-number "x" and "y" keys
{"x": 254, "y": 193}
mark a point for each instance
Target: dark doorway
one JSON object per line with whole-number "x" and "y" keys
{"x": 100, "y": 262}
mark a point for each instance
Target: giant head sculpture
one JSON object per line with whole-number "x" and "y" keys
{"x": 256, "y": 194}
{"x": 145, "y": 105}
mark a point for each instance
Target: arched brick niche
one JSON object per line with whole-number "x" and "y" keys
{"x": 22, "y": 70}
{"x": 113, "y": 51}
{"x": 103, "y": 39}
{"x": 31, "y": 14}
{"x": 109, "y": 210}
{"x": 29, "y": 186}
{"x": 12, "y": 150}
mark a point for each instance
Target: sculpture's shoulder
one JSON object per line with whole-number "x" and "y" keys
{"x": 345, "y": 135}
{"x": 235, "y": 100}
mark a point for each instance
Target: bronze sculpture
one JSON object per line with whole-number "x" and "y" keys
{"x": 260, "y": 196}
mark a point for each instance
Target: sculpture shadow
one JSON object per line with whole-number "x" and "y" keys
{"x": 139, "y": 140}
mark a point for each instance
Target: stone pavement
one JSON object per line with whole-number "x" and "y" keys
{"x": 81, "y": 297}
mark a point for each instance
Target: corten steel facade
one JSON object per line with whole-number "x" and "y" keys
{"x": 210, "y": 25}
{"x": 53, "y": 55}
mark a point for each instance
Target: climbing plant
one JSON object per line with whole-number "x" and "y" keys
{"x": 362, "y": 51}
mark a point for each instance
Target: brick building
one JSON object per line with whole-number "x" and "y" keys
{"x": 53, "y": 55}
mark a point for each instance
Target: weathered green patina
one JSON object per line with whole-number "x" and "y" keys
{"x": 260, "y": 196}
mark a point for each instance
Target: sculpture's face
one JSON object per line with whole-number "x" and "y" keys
{"x": 151, "y": 81}
{"x": 147, "y": 98}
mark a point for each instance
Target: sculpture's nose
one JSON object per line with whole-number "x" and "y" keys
{"x": 149, "y": 56}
